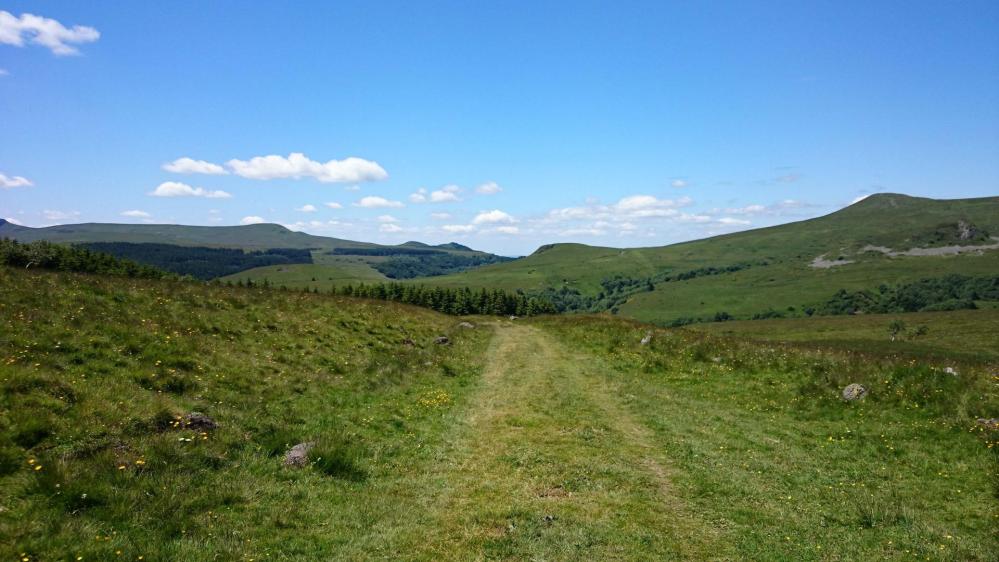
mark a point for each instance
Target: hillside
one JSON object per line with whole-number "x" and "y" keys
{"x": 181, "y": 249}
{"x": 561, "y": 438}
{"x": 795, "y": 265}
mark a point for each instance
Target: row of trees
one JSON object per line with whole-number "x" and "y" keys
{"x": 47, "y": 255}
{"x": 453, "y": 301}
{"x": 201, "y": 262}
{"x": 950, "y": 292}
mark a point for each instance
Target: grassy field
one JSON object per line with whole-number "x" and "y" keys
{"x": 559, "y": 438}
{"x": 327, "y": 271}
{"x": 959, "y": 336}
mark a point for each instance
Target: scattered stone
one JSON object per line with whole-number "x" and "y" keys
{"x": 298, "y": 456}
{"x": 548, "y": 518}
{"x": 197, "y": 420}
{"x": 988, "y": 423}
{"x": 513, "y": 318}
{"x": 647, "y": 339}
{"x": 442, "y": 340}
{"x": 466, "y": 325}
{"x": 951, "y": 371}
{"x": 854, "y": 392}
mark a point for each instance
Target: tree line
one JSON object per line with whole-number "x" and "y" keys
{"x": 198, "y": 261}
{"x": 47, "y": 255}
{"x": 453, "y": 301}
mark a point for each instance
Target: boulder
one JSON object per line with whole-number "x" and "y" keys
{"x": 854, "y": 392}
{"x": 442, "y": 340}
{"x": 466, "y": 325}
{"x": 951, "y": 371}
{"x": 197, "y": 420}
{"x": 513, "y": 317}
{"x": 647, "y": 339}
{"x": 298, "y": 456}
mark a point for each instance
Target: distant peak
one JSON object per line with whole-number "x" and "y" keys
{"x": 454, "y": 246}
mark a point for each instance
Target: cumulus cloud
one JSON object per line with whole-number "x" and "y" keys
{"x": 297, "y": 165}
{"x": 390, "y": 228}
{"x": 43, "y": 31}
{"x": 252, "y": 219}
{"x": 458, "y": 228}
{"x": 387, "y": 218}
{"x": 734, "y": 222}
{"x": 136, "y": 214}
{"x": 59, "y": 215}
{"x": 507, "y": 230}
{"x": 317, "y": 225}
{"x": 491, "y": 217}
{"x": 776, "y": 209}
{"x": 14, "y": 221}
{"x": 10, "y": 182}
{"x": 443, "y": 195}
{"x": 306, "y": 209}
{"x": 440, "y": 216}
{"x": 178, "y": 189}
{"x": 489, "y": 188}
{"x": 376, "y": 202}
{"x": 187, "y": 165}
{"x": 334, "y": 205}
{"x": 678, "y": 183}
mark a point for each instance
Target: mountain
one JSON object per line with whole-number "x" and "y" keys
{"x": 798, "y": 265}
{"x": 196, "y": 250}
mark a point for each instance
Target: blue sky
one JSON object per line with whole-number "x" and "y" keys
{"x": 523, "y": 123}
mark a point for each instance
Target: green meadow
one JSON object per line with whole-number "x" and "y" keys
{"x": 553, "y": 438}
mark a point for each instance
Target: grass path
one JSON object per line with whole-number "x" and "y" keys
{"x": 548, "y": 465}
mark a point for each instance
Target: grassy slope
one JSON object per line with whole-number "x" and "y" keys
{"x": 90, "y": 366}
{"x": 889, "y": 220}
{"x": 964, "y": 335}
{"x": 326, "y": 272}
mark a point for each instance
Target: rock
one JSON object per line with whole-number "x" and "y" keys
{"x": 298, "y": 456}
{"x": 988, "y": 423}
{"x": 548, "y": 518}
{"x": 647, "y": 339}
{"x": 966, "y": 230}
{"x": 409, "y": 342}
{"x": 854, "y": 392}
{"x": 442, "y": 340}
{"x": 951, "y": 371}
{"x": 513, "y": 318}
{"x": 466, "y": 325}
{"x": 197, "y": 420}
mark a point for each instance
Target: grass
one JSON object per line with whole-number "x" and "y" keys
{"x": 327, "y": 271}
{"x": 96, "y": 375}
{"x": 964, "y": 336}
{"x": 560, "y": 438}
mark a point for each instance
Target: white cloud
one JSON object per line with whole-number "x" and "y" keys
{"x": 390, "y": 228}
{"x": 440, "y": 216}
{"x": 334, "y": 205}
{"x": 376, "y": 202}
{"x": 177, "y": 189}
{"x": 136, "y": 214}
{"x": 317, "y": 225}
{"x": 252, "y": 219}
{"x": 14, "y": 181}
{"x": 443, "y": 195}
{"x": 387, "y": 218}
{"x": 734, "y": 222}
{"x": 488, "y": 188}
{"x": 678, "y": 183}
{"x": 507, "y": 230}
{"x": 187, "y": 165}
{"x": 458, "y": 228}
{"x": 14, "y": 221}
{"x": 306, "y": 209}
{"x": 491, "y": 217}
{"x": 296, "y": 165}
{"x": 46, "y": 32}
{"x": 857, "y": 199}
{"x": 59, "y": 215}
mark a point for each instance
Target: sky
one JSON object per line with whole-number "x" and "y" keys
{"x": 502, "y": 125}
